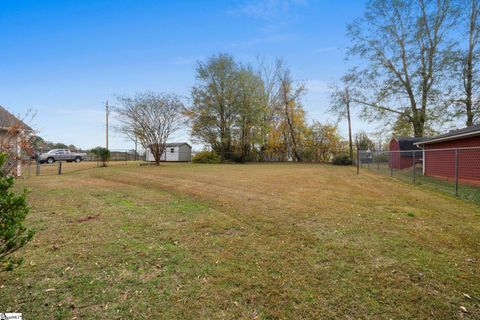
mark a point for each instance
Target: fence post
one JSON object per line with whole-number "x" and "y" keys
{"x": 390, "y": 163}
{"x": 413, "y": 166}
{"x": 37, "y": 172}
{"x": 59, "y": 167}
{"x": 358, "y": 161}
{"x": 456, "y": 172}
{"x": 378, "y": 161}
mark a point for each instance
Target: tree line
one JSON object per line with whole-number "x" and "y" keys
{"x": 415, "y": 70}
{"x": 247, "y": 113}
{"x": 243, "y": 113}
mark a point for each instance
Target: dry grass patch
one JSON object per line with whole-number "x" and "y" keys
{"x": 269, "y": 241}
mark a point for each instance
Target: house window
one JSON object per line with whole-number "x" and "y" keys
{"x": 172, "y": 150}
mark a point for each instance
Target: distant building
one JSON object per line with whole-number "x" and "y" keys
{"x": 459, "y": 149}
{"x": 12, "y": 132}
{"x": 404, "y": 153}
{"x": 174, "y": 152}
{"x": 8, "y": 121}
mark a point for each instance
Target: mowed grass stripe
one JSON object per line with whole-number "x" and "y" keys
{"x": 244, "y": 241}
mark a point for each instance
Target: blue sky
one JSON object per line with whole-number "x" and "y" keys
{"x": 65, "y": 58}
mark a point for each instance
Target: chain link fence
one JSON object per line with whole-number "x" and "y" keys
{"x": 29, "y": 167}
{"x": 453, "y": 171}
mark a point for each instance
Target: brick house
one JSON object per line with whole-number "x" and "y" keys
{"x": 12, "y": 132}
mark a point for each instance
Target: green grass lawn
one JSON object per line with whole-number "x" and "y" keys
{"x": 465, "y": 191}
{"x": 266, "y": 241}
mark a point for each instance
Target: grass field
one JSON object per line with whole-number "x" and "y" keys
{"x": 266, "y": 241}
{"x": 465, "y": 191}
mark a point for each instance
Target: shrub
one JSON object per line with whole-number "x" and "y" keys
{"x": 13, "y": 210}
{"x": 341, "y": 160}
{"x": 103, "y": 154}
{"x": 206, "y": 157}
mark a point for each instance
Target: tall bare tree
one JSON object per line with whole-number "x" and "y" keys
{"x": 250, "y": 111}
{"x": 290, "y": 95}
{"x": 341, "y": 102}
{"x": 468, "y": 58}
{"x": 151, "y": 118}
{"x": 270, "y": 100}
{"x": 406, "y": 47}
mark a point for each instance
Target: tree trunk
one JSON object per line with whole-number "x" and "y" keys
{"x": 468, "y": 76}
{"x": 418, "y": 127}
{"x": 156, "y": 151}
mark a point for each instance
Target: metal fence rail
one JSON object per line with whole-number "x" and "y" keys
{"x": 30, "y": 167}
{"x": 454, "y": 170}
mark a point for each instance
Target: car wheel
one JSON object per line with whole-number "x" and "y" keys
{"x": 50, "y": 160}
{"x": 78, "y": 159}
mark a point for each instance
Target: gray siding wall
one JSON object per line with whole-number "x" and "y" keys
{"x": 185, "y": 153}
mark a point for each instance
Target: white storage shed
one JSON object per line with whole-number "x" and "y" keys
{"x": 174, "y": 152}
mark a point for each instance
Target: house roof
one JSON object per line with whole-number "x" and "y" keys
{"x": 453, "y": 135}
{"x": 177, "y": 144}
{"x": 7, "y": 120}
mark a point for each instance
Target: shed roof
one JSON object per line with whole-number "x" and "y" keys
{"x": 407, "y": 143}
{"x": 177, "y": 144}
{"x": 453, "y": 135}
{"x": 407, "y": 147}
{"x": 7, "y": 120}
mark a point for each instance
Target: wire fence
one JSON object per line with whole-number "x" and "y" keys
{"x": 454, "y": 171}
{"x": 29, "y": 167}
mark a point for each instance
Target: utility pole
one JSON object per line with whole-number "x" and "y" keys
{"x": 350, "y": 142}
{"x": 107, "y": 112}
{"x": 135, "y": 157}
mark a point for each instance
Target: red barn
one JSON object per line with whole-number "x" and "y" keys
{"x": 404, "y": 152}
{"x": 461, "y": 147}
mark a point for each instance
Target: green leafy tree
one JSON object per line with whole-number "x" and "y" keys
{"x": 364, "y": 142}
{"x": 13, "y": 210}
{"x": 215, "y": 100}
{"x": 103, "y": 154}
{"x": 322, "y": 142}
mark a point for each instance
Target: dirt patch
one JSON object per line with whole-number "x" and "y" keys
{"x": 88, "y": 218}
